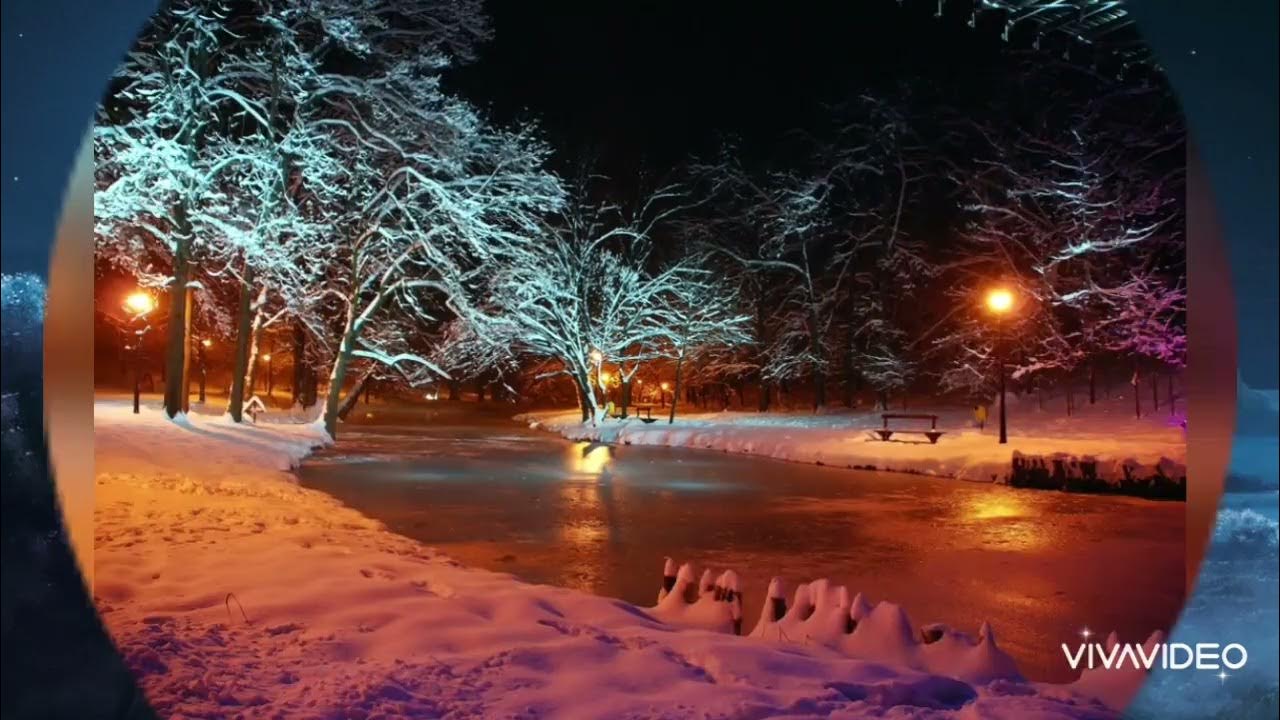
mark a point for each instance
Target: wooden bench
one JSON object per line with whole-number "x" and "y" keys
{"x": 647, "y": 409}
{"x": 933, "y": 433}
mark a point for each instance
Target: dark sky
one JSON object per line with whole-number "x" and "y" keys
{"x": 653, "y": 80}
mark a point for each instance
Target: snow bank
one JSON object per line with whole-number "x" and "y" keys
{"x": 1106, "y": 437}
{"x": 233, "y": 592}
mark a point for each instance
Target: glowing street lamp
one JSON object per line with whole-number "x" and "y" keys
{"x": 203, "y": 360}
{"x": 138, "y": 304}
{"x": 270, "y": 380}
{"x": 1000, "y": 302}
{"x": 662, "y": 396}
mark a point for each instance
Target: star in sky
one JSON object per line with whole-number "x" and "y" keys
{"x": 1222, "y": 676}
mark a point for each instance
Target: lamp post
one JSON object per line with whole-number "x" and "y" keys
{"x": 1000, "y": 302}
{"x": 662, "y": 396}
{"x": 138, "y": 305}
{"x": 202, "y": 357}
{"x": 270, "y": 386}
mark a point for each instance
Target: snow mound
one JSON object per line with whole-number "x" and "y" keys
{"x": 822, "y": 614}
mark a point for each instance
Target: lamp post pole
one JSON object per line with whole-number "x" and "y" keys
{"x": 138, "y": 305}
{"x": 137, "y": 372}
{"x": 204, "y": 366}
{"x": 1001, "y": 301}
{"x": 1004, "y": 428}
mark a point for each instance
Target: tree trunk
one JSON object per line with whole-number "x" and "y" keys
{"x": 179, "y": 325}
{"x": 1155, "y": 391}
{"x": 1071, "y": 399}
{"x": 255, "y": 342}
{"x": 338, "y": 374}
{"x": 186, "y": 353}
{"x": 671, "y": 418}
{"x": 586, "y": 392}
{"x": 766, "y": 395}
{"x": 455, "y": 390}
{"x": 240, "y": 364}
{"x": 625, "y": 396}
{"x": 349, "y": 402}
{"x": 819, "y": 390}
{"x": 1171, "y": 402}
{"x": 479, "y": 391}
{"x": 1093, "y": 385}
{"x": 299, "y": 361}
{"x": 884, "y": 400}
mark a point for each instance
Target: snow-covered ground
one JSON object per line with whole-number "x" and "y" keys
{"x": 1106, "y": 432}
{"x": 234, "y": 592}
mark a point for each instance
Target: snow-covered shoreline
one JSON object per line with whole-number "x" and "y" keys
{"x": 233, "y": 591}
{"x": 1104, "y": 434}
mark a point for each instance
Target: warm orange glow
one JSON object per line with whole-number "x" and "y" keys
{"x": 1000, "y": 301}
{"x": 266, "y": 358}
{"x": 665, "y": 386}
{"x": 139, "y": 303}
{"x": 604, "y": 378}
{"x": 639, "y": 381}
{"x": 206, "y": 342}
{"x": 596, "y": 357}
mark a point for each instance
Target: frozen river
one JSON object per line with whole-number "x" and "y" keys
{"x": 1040, "y": 566}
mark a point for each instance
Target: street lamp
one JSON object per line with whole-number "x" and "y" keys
{"x": 267, "y": 359}
{"x": 138, "y": 305}
{"x": 1000, "y": 302}
{"x": 203, "y": 359}
{"x": 662, "y": 396}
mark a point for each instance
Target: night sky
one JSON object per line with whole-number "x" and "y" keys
{"x": 648, "y": 84}
{"x": 642, "y": 85}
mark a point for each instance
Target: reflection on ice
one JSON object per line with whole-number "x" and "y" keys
{"x": 590, "y": 458}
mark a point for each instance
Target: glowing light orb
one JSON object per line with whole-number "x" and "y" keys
{"x": 139, "y": 303}
{"x": 1000, "y": 300}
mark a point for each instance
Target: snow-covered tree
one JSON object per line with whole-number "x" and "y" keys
{"x": 800, "y": 243}
{"x": 586, "y": 297}
{"x": 702, "y": 312}
{"x": 159, "y": 196}
{"x": 1080, "y": 212}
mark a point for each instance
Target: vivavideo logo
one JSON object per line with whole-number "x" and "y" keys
{"x": 1155, "y": 653}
